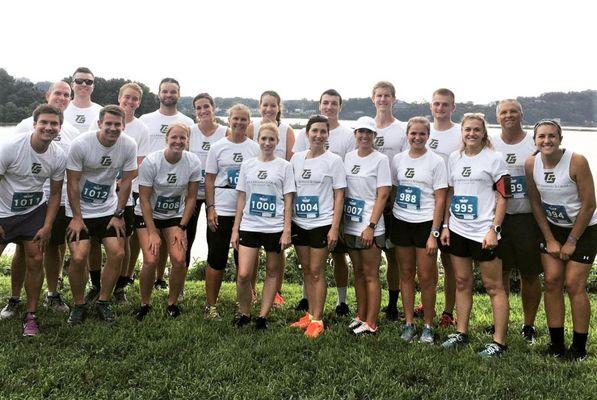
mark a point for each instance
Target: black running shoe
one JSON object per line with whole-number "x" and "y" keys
{"x": 261, "y": 323}
{"x": 160, "y": 284}
{"x": 241, "y": 320}
{"x": 104, "y": 311}
{"x": 77, "y": 314}
{"x": 173, "y": 311}
{"x": 576, "y": 355}
{"x": 556, "y": 351}
{"x": 392, "y": 314}
{"x": 529, "y": 333}
{"x": 302, "y": 305}
{"x": 142, "y": 311}
{"x": 342, "y": 310}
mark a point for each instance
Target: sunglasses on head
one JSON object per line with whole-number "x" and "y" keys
{"x": 364, "y": 130}
{"x": 80, "y": 81}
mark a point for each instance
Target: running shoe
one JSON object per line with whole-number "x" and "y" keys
{"x": 211, "y": 313}
{"x": 446, "y": 320}
{"x": 342, "y": 310}
{"x": 160, "y": 284}
{"x": 364, "y": 330}
{"x": 142, "y": 312}
{"x": 492, "y": 349}
{"x": 392, "y": 314}
{"x": 10, "y": 309}
{"x": 428, "y": 335}
{"x": 119, "y": 296}
{"x": 576, "y": 355}
{"x": 92, "y": 295}
{"x": 56, "y": 304}
{"x": 455, "y": 341}
{"x": 302, "y": 323}
{"x": 556, "y": 351}
{"x": 278, "y": 300}
{"x": 355, "y": 323}
{"x": 314, "y": 329}
{"x": 419, "y": 311}
{"x": 104, "y": 311}
{"x": 302, "y": 305}
{"x": 77, "y": 314}
{"x": 409, "y": 332}
{"x": 260, "y": 323}
{"x": 489, "y": 330}
{"x": 241, "y": 320}
{"x": 30, "y": 326}
{"x": 529, "y": 333}
{"x": 173, "y": 311}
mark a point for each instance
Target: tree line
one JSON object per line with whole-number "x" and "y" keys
{"x": 18, "y": 99}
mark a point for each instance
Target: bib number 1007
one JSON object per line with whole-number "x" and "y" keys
{"x": 353, "y": 209}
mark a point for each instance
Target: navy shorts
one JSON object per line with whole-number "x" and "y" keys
{"x": 23, "y": 227}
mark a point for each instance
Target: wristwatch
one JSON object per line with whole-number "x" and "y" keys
{"x": 372, "y": 225}
{"x": 182, "y": 227}
{"x": 497, "y": 228}
{"x": 119, "y": 213}
{"x": 435, "y": 232}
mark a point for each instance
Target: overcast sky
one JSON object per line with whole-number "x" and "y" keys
{"x": 483, "y": 50}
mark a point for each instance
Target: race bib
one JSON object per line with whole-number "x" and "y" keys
{"x": 306, "y": 206}
{"x": 94, "y": 192}
{"x": 22, "y": 201}
{"x": 262, "y": 205}
{"x": 233, "y": 177}
{"x": 167, "y": 205}
{"x": 353, "y": 209}
{"x": 464, "y": 207}
{"x": 518, "y": 185}
{"x": 202, "y": 181}
{"x": 408, "y": 197}
{"x": 556, "y": 214}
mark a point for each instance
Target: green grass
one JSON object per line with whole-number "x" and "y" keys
{"x": 190, "y": 358}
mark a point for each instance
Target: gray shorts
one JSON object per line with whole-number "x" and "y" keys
{"x": 354, "y": 242}
{"x": 23, "y": 227}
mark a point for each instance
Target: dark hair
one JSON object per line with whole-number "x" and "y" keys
{"x": 168, "y": 80}
{"x": 47, "y": 109}
{"x": 278, "y": 100}
{"x": 551, "y": 122}
{"x": 315, "y": 119}
{"x": 204, "y": 96}
{"x": 331, "y": 92}
{"x": 111, "y": 109}
{"x": 83, "y": 70}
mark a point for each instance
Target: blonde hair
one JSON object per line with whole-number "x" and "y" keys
{"x": 418, "y": 120}
{"x": 384, "y": 85}
{"x": 131, "y": 85}
{"x": 180, "y": 125}
{"x": 269, "y": 126}
{"x": 239, "y": 107}
{"x": 477, "y": 117}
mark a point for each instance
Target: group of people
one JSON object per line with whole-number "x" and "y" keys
{"x": 412, "y": 190}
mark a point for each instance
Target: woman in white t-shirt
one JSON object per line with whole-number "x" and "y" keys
{"x": 263, "y": 219}
{"x": 320, "y": 181}
{"x": 421, "y": 182}
{"x": 478, "y": 186}
{"x": 562, "y": 195}
{"x": 204, "y": 133}
{"x": 368, "y": 187}
{"x": 168, "y": 182}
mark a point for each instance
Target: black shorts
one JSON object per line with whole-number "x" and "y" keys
{"x": 96, "y": 228}
{"x": 129, "y": 220}
{"x": 58, "y": 235}
{"x": 269, "y": 241}
{"x": 408, "y": 234}
{"x": 463, "y": 247}
{"x": 518, "y": 245}
{"x": 218, "y": 243}
{"x": 135, "y": 198}
{"x": 586, "y": 246}
{"x": 23, "y": 227}
{"x": 316, "y": 237}
{"x": 159, "y": 223}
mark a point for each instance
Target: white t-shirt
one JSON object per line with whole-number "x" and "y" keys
{"x": 363, "y": 176}
{"x": 282, "y": 134}
{"x": 24, "y": 173}
{"x": 84, "y": 119}
{"x": 316, "y": 178}
{"x": 199, "y": 144}
{"x": 66, "y": 135}
{"x": 224, "y": 160}
{"x": 416, "y": 180}
{"x": 158, "y": 124}
{"x": 340, "y": 141}
{"x": 444, "y": 143}
{"x": 391, "y": 140}
{"x": 140, "y": 133}
{"x": 265, "y": 184}
{"x": 515, "y": 155}
{"x": 99, "y": 166}
{"x": 169, "y": 181}
{"x": 472, "y": 207}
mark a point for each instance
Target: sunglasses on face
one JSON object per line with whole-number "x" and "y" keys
{"x": 80, "y": 81}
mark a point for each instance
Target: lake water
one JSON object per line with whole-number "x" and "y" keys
{"x": 580, "y": 140}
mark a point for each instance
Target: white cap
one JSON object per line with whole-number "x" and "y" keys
{"x": 366, "y": 123}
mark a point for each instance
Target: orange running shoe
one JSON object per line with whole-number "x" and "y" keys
{"x": 314, "y": 329}
{"x": 302, "y": 323}
{"x": 278, "y": 300}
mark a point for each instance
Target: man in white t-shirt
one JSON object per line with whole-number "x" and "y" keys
{"x": 58, "y": 95}
{"x": 82, "y": 113}
{"x": 157, "y": 122}
{"x": 390, "y": 140}
{"x": 94, "y": 210}
{"x": 27, "y": 161}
